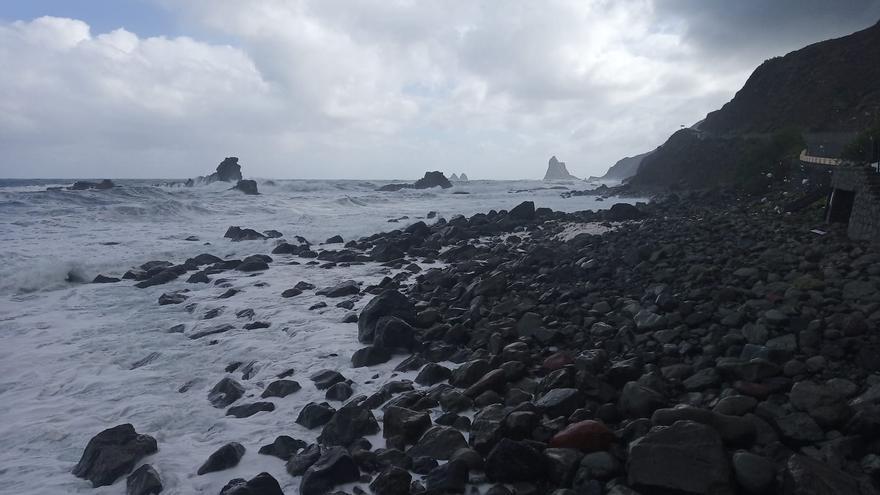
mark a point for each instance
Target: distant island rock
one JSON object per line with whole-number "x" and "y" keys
{"x": 82, "y": 185}
{"x": 228, "y": 171}
{"x": 556, "y": 171}
{"x": 463, "y": 177}
{"x": 454, "y": 178}
{"x": 431, "y": 179}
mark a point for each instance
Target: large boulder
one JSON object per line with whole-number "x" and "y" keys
{"x": 686, "y": 457}
{"x": 225, "y": 392}
{"x": 511, "y": 461}
{"x": 113, "y": 453}
{"x": 348, "y": 424}
{"x": 620, "y": 212}
{"x": 334, "y": 467}
{"x": 143, "y": 481}
{"x": 225, "y": 457}
{"x": 439, "y": 442}
{"x": 388, "y": 303}
{"x": 247, "y": 187}
{"x": 394, "y": 333}
{"x": 261, "y": 484}
{"x": 523, "y": 211}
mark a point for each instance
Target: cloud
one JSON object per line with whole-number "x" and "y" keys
{"x": 367, "y": 88}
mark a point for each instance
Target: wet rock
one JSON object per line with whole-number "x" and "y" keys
{"x": 405, "y": 423}
{"x": 225, "y": 392}
{"x": 225, "y": 457}
{"x": 341, "y": 391}
{"x": 799, "y": 428}
{"x": 755, "y": 473}
{"x": 254, "y": 263}
{"x": 826, "y": 405}
{"x": 342, "y": 289}
{"x": 439, "y": 442}
{"x": 300, "y": 462}
{"x": 511, "y": 461}
{"x": 215, "y": 330}
{"x": 236, "y": 234}
{"x": 432, "y": 374}
{"x": 393, "y": 333}
{"x": 524, "y": 211}
{"x": 686, "y": 457}
{"x": 325, "y": 379}
{"x": 101, "y": 279}
{"x": 348, "y": 424}
{"x": 388, "y": 303}
{"x": 112, "y": 454}
{"x": 637, "y": 401}
{"x": 143, "y": 481}
{"x": 370, "y": 356}
{"x": 292, "y": 292}
{"x": 733, "y": 429}
{"x": 255, "y": 325}
{"x": 284, "y": 447}
{"x": 334, "y": 467}
{"x": 620, "y": 212}
{"x": 172, "y": 298}
{"x": 451, "y": 477}
{"x": 314, "y": 415}
{"x": 562, "y": 465}
{"x": 247, "y": 186}
{"x": 281, "y": 388}
{"x": 392, "y": 481}
{"x": 810, "y": 477}
{"x": 248, "y": 410}
{"x": 560, "y": 402}
{"x": 587, "y": 436}
{"x": 261, "y": 484}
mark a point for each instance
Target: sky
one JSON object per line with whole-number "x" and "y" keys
{"x": 376, "y": 89}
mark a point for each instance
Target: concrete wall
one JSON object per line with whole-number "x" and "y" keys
{"x": 864, "y": 222}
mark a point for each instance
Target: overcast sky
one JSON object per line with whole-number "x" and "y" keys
{"x": 376, "y": 89}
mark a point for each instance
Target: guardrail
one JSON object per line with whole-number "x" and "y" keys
{"x": 819, "y": 160}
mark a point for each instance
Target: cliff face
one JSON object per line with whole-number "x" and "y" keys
{"x": 831, "y": 86}
{"x": 625, "y": 167}
{"x": 556, "y": 171}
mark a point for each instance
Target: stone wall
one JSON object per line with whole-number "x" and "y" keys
{"x": 864, "y": 221}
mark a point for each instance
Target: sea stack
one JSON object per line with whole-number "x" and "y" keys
{"x": 228, "y": 171}
{"x": 556, "y": 171}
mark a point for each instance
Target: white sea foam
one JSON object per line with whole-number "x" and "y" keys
{"x": 68, "y": 348}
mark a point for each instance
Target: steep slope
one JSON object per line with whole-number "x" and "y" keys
{"x": 830, "y": 86}
{"x": 625, "y": 167}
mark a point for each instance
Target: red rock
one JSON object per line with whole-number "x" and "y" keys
{"x": 557, "y": 361}
{"x": 588, "y": 436}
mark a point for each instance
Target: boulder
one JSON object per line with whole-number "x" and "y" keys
{"x": 247, "y": 187}
{"x": 334, "y": 467}
{"x": 755, "y": 473}
{"x": 392, "y": 481}
{"x": 300, "y": 462}
{"x": 281, "y": 388}
{"x": 225, "y": 392}
{"x": 620, "y": 212}
{"x": 284, "y": 447}
{"x": 370, "y": 356}
{"x": 325, "y": 379}
{"x": 686, "y": 457}
{"x": 806, "y": 476}
{"x": 587, "y": 436}
{"x": 447, "y": 478}
{"x": 348, "y": 424}
{"x": 112, "y": 454}
{"x": 439, "y": 442}
{"x": 248, "y": 410}
{"x": 314, "y": 415}
{"x": 388, "y": 303}
{"x": 524, "y": 211}
{"x": 225, "y": 457}
{"x": 143, "y": 481}
{"x": 261, "y": 484}
{"x": 511, "y": 461}
{"x": 394, "y": 333}
{"x": 405, "y": 423}
{"x": 342, "y": 289}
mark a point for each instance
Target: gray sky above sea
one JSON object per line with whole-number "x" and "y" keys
{"x": 376, "y": 89}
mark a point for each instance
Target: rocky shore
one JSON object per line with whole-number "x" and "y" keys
{"x": 702, "y": 344}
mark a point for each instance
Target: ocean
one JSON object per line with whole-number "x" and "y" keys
{"x": 78, "y": 358}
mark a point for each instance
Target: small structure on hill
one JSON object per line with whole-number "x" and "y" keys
{"x": 855, "y": 200}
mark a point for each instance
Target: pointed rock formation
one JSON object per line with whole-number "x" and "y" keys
{"x": 463, "y": 177}
{"x": 556, "y": 171}
{"x": 454, "y": 178}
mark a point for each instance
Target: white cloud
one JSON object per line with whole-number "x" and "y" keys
{"x": 361, "y": 89}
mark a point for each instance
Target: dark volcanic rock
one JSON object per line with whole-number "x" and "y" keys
{"x": 392, "y": 481}
{"x": 334, "y": 467}
{"x": 341, "y": 391}
{"x": 101, "y": 279}
{"x": 447, "y": 478}
{"x": 228, "y": 171}
{"x": 622, "y": 211}
{"x": 348, "y": 424}
{"x": 405, "y": 423}
{"x": 370, "y": 356}
{"x": 325, "y": 379}
{"x": 342, "y": 289}
{"x": 811, "y": 477}
{"x": 239, "y": 234}
{"x": 439, "y": 442}
{"x": 261, "y": 484}
{"x": 284, "y": 447}
{"x": 248, "y": 410}
{"x": 300, "y": 462}
{"x": 82, "y": 185}
{"x": 143, "y": 481}
{"x": 433, "y": 179}
{"x": 314, "y": 415}
{"x": 225, "y": 457}
{"x": 281, "y": 388}
{"x": 524, "y": 211}
{"x": 247, "y": 187}
{"x": 225, "y": 392}
{"x": 510, "y": 462}
{"x": 388, "y": 303}
{"x": 393, "y": 333}
{"x": 112, "y": 454}
{"x": 687, "y": 457}
{"x": 587, "y": 435}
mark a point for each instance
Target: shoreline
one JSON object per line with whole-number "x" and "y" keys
{"x": 566, "y": 350}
